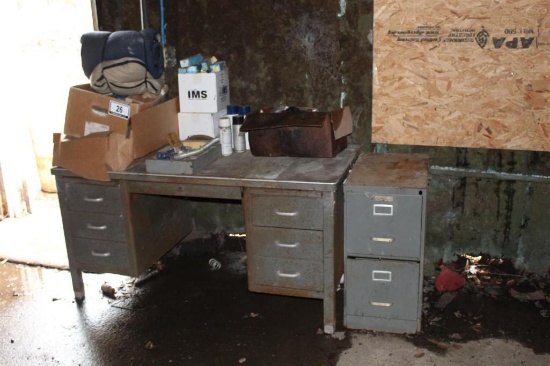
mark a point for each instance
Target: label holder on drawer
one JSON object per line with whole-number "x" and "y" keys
{"x": 384, "y": 276}
{"x": 380, "y": 209}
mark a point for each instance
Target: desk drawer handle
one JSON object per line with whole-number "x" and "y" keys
{"x": 101, "y": 254}
{"x": 94, "y": 227}
{"x": 382, "y": 240}
{"x": 384, "y": 304}
{"x": 284, "y": 245}
{"x": 93, "y": 200}
{"x": 287, "y": 214}
{"x": 288, "y": 275}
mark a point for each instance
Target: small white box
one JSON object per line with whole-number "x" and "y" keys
{"x": 203, "y": 92}
{"x": 191, "y": 124}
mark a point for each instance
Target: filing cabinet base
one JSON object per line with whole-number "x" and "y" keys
{"x": 381, "y": 324}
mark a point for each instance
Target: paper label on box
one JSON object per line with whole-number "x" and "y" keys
{"x": 93, "y": 127}
{"x": 119, "y": 109}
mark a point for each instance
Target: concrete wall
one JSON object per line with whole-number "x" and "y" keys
{"x": 319, "y": 53}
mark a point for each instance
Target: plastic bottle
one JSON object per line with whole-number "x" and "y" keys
{"x": 238, "y": 137}
{"x": 225, "y": 136}
{"x": 243, "y": 111}
{"x": 232, "y": 111}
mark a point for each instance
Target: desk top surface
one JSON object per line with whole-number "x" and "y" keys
{"x": 246, "y": 170}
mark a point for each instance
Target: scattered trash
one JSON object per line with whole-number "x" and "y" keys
{"x": 448, "y": 280}
{"x": 214, "y": 264}
{"x": 419, "y": 354}
{"x": 477, "y": 328}
{"x": 456, "y": 336}
{"x": 445, "y": 300}
{"x": 252, "y": 315}
{"x": 439, "y": 344}
{"x": 141, "y": 280}
{"x": 528, "y": 296}
{"x": 339, "y": 335}
{"x": 545, "y": 313}
{"x": 4, "y": 261}
{"x": 150, "y": 345}
{"x": 242, "y": 360}
{"x": 108, "y": 291}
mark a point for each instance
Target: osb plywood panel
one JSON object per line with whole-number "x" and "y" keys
{"x": 469, "y": 73}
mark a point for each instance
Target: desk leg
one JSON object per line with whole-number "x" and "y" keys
{"x": 78, "y": 284}
{"x": 333, "y": 255}
{"x": 329, "y": 326}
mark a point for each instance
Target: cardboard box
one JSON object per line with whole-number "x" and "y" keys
{"x": 203, "y": 92}
{"x": 299, "y": 133}
{"x": 191, "y": 124}
{"x": 90, "y": 112}
{"x": 94, "y": 155}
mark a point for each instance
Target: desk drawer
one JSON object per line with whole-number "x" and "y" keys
{"x": 287, "y": 211}
{"x": 286, "y": 243}
{"x": 286, "y": 273}
{"x": 101, "y": 253}
{"x": 92, "y": 198}
{"x": 93, "y": 225}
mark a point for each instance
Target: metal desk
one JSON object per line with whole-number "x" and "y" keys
{"x": 146, "y": 211}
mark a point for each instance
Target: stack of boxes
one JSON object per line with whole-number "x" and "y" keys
{"x": 203, "y": 94}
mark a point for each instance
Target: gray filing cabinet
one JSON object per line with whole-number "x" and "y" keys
{"x": 384, "y": 220}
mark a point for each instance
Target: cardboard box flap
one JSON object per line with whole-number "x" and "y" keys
{"x": 68, "y": 155}
{"x": 342, "y": 122}
{"x": 153, "y": 125}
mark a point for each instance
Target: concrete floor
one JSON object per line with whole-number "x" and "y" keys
{"x": 191, "y": 315}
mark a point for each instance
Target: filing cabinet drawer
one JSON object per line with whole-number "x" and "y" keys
{"x": 92, "y": 197}
{"x": 382, "y": 288}
{"x": 287, "y": 211}
{"x": 93, "y": 225}
{"x": 383, "y": 225}
{"x": 286, "y": 243}
{"x": 100, "y": 253}
{"x": 286, "y": 273}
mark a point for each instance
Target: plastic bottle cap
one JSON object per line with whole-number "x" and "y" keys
{"x": 232, "y": 109}
{"x": 244, "y": 110}
{"x": 224, "y": 122}
{"x": 238, "y": 120}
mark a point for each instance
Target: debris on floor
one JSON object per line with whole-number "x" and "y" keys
{"x": 496, "y": 299}
{"x": 108, "y": 290}
{"x": 448, "y": 280}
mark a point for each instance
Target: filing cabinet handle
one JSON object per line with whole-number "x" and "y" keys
{"x": 284, "y": 245}
{"x": 94, "y": 227}
{"x": 101, "y": 254}
{"x": 384, "y": 304}
{"x": 382, "y": 240}
{"x": 93, "y": 200}
{"x": 287, "y": 214}
{"x": 288, "y": 275}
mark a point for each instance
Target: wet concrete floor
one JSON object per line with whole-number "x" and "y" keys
{"x": 185, "y": 313}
